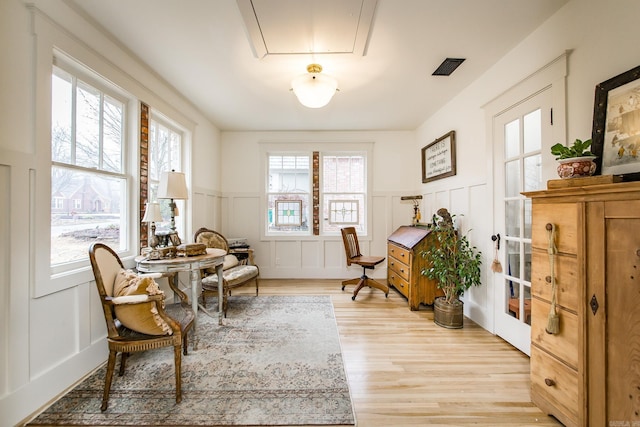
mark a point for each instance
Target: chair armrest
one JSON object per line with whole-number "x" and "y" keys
{"x": 152, "y": 275}
{"x": 134, "y": 299}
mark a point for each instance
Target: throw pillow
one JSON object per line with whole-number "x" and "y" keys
{"x": 143, "y": 317}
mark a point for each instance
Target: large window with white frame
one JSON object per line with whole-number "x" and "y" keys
{"x": 165, "y": 154}
{"x": 89, "y": 189}
{"x": 342, "y": 187}
{"x": 288, "y": 193}
{"x": 344, "y": 191}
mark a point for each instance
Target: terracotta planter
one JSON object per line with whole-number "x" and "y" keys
{"x": 447, "y": 315}
{"x": 576, "y": 167}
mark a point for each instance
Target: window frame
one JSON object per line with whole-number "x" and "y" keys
{"x": 178, "y": 166}
{"x": 307, "y": 148}
{"x": 88, "y": 76}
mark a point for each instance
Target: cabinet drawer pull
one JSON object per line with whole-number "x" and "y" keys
{"x": 548, "y": 279}
{"x": 549, "y": 382}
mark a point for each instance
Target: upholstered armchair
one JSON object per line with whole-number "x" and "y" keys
{"x": 136, "y": 315}
{"x": 235, "y": 272}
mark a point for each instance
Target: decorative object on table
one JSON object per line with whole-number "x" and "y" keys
{"x": 173, "y": 186}
{"x": 455, "y": 264}
{"x": 439, "y": 158}
{"x": 616, "y": 126}
{"x": 575, "y": 160}
{"x": 168, "y": 238}
{"x": 191, "y": 249}
{"x": 152, "y": 215}
{"x": 496, "y": 267}
{"x": 416, "y": 208}
{"x": 277, "y": 361}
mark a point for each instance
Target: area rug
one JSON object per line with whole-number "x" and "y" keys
{"x": 275, "y": 362}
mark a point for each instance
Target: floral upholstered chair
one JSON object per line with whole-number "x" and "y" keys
{"x": 235, "y": 272}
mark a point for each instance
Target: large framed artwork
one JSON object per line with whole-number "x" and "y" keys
{"x": 439, "y": 158}
{"x": 616, "y": 126}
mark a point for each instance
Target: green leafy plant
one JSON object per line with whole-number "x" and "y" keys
{"x": 455, "y": 263}
{"x": 577, "y": 149}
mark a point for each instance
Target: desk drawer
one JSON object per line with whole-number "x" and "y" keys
{"x": 398, "y": 282}
{"x": 401, "y": 254}
{"x": 400, "y": 268}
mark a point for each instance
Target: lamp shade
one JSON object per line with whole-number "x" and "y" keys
{"x": 314, "y": 90}
{"x": 152, "y": 212}
{"x": 173, "y": 185}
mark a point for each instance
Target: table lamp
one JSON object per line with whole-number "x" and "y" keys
{"x": 152, "y": 215}
{"x": 173, "y": 186}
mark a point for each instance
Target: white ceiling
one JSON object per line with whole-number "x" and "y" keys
{"x": 204, "y": 49}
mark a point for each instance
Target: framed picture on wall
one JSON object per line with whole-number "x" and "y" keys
{"x": 439, "y": 158}
{"x": 616, "y": 126}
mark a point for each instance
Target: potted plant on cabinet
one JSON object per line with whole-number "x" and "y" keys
{"x": 574, "y": 160}
{"x": 455, "y": 265}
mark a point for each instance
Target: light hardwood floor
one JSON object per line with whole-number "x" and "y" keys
{"x": 403, "y": 370}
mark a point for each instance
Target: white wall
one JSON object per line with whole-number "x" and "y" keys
{"x": 51, "y": 338}
{"x": 47, "y": 343}
{"x": 603, "y": 42}
{"x": 394, "y": 175}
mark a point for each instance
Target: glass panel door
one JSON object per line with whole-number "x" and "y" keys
{"x": 519, "y": 132}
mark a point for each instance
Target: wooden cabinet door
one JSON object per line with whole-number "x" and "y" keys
{"x": 613, "y": 313}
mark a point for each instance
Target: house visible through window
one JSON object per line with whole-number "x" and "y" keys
{"x": 343, "y": 191}
{"x": 88, "y": 177}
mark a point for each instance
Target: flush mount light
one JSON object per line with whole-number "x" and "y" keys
{"x": 314, "y": 90}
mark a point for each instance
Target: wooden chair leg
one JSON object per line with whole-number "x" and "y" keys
{"x": 111, "y": 364}
{"x": 177, "y": 355}
{"x": 350, "y": 282}
{"x": 256, "y": 286}
{"x": 123, "y": 363}
{"x": 185, "y": 342}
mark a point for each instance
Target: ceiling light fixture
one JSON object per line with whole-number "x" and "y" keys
{"x": 314, "y": 90}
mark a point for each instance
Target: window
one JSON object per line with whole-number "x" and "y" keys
{"x": 343, "y": 192}
{"x": 288, "y": 181}
{"x": 165, "y": 154}
{"x": 88, "y": 178}
{"x": 342, "y": 188}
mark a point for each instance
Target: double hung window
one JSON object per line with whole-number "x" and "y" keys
{"x": 341, "y": 187}
{"x": 89, "y": 191}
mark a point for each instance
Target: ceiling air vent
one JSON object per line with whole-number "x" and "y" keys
{"x": 448, "y": 66}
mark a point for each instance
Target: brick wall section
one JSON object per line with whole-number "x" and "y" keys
{"x": 316, "y": 193}
{"x": 144, "y": 170}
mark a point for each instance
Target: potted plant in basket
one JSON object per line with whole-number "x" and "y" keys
{"x": 455, "y": 265}
{"x": 574, "y": 160}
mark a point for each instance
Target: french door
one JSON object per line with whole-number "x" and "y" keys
{"x": 521, "y": 133}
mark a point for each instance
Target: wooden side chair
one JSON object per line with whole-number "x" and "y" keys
{"x": 136, "y": 316}
{"x": 352, "y": 251}
{"x": 235, "y": 272}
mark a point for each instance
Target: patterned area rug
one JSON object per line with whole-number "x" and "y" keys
{"x": 275, "y": 362}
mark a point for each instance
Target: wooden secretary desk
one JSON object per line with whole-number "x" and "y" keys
{"x": 588, "y": 374}
{"x": 405, "y": 263}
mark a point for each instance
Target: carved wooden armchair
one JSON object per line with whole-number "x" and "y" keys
{"x": 136, "y": 316}
{"x": 235, "y": 272}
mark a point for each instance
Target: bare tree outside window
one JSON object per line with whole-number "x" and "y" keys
{"x": 88, "y": 186}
